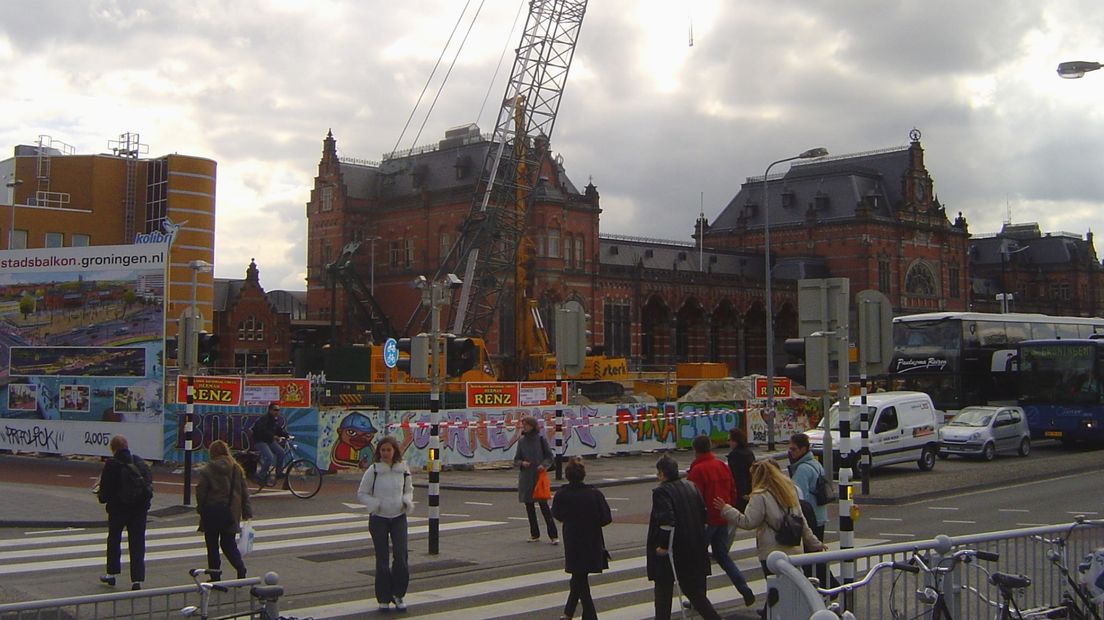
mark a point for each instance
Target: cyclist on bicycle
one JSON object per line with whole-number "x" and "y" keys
{"x": 269, "y": 433}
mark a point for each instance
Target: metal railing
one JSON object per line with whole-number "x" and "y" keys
{"x": 893, "y": 594}
{"x": 133, "y": 604}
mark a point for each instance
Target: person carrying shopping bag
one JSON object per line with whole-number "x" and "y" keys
{"x": 583, "y": 510}
{"x": 533, "y": 458}
{"x": 387, "y": 489}
{"x": 222, "y": 500}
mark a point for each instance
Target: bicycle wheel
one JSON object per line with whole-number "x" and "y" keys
{"x": 304, "y": 479}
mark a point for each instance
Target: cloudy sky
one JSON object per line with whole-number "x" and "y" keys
{"x": 661, "y": 127}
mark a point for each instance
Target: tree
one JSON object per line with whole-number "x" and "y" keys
{"x": 26, "y": 305}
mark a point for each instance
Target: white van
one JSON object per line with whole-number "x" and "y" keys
{"x": 903, "y": 427}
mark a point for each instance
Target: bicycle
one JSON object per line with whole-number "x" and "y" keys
{"x": 831, "y": 593}
{"x": 1076, "y": 602}
{"x": 300, "y": 473}
{"x": 262, "y": 599}
{"x": 933, "y": 595}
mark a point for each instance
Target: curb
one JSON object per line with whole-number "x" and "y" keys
{"x": 513, "y": 487}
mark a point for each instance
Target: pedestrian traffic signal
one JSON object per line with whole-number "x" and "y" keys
{"x": 170, "y": 348}
{"x": 809, "y": 365}
{"x": 207, "y": 349}
{"x": 416, "y": 362}
{"x": 461, "y": 355}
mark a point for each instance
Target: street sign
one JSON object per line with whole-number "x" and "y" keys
{"x": 781, "y": 387}
{"x": 390, "y": 352}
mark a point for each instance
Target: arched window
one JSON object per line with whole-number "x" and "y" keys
{"x": 920, "y": 281}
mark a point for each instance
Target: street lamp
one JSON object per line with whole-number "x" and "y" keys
{"x": 190, "y": 334}
{"x": 11, "y": 184}
{"x": 809, "y": 154}
{"x": 1076, "y": 69}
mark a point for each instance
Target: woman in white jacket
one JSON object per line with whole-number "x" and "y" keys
{"x": 388, "y": 492}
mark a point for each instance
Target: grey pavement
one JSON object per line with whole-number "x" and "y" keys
{"x": 35, "y": 504}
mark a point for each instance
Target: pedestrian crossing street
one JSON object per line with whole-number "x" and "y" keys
{"x": 528, "y": 594}
{"x": 64, "y": 550}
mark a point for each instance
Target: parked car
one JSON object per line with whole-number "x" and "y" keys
{"x": 986, "y": 431}
{"x": 903, "y": 428}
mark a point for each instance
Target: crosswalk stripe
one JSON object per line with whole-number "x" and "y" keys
{"x": 520, "y": 585}
{"x": 195, "y": 548}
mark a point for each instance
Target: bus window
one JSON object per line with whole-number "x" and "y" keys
{"x": 1067, "y": 331}
{"x": 1086, "y": 331}
{"x": 1017, "y": 332}
{"x": 991, "y": 333}
{"x": 1043, "y": 331}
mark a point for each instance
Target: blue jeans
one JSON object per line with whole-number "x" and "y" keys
{"x": 392, "y": 570}
{"x": 719, "y": 543}
{"x": 269, "y": 452}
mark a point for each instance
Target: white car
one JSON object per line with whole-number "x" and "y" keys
{"x": 985, "y": 432}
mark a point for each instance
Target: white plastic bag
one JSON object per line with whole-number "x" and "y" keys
{"x": 245, "y": 538}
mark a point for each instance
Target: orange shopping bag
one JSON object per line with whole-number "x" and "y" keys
{"x": 543, "y": 489}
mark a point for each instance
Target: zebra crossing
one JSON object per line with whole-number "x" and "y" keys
{"x": 622, "y": 592}
{"x": 66, "y": 550}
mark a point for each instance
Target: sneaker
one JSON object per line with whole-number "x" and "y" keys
{"x": 137, "y": 585}
{"x": 399, "y": 604}
{"x": 749, "y": 598}
{"x": 555, "y": 541}
{"x": 384, "y": 607}
{"x": 534, "y": 539}
{"x": 108, "y": 580}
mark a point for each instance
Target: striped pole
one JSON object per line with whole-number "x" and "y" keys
{"x": 846, "y": 418}
{"x": 434, "y": 487}
{"x": 189, "y": 417}
{"x": 559, "y": 424}
{"x": 864, "y": 430}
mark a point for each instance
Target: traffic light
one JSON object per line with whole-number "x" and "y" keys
{"x": 170, "y": 348}
{"x": 207, "y": 349}
{"x": 416, "y": 363}
{"x": 810, "y": 367}
{"x": 571, "y": 337}
{"x": 461, "y": 355}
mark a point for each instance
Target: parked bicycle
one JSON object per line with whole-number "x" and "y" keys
{"x": 933, "y": 595}
{"x": 261, "y": 598}
{"x": 1076, "y": 601}
{"x": 299, "y": 474}
{"x": 830, "y": 594}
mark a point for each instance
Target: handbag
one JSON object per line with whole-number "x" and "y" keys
{"x": 542, "y": 490}
{"x": 789, "y": 529}
{"x": 245, "y": 538}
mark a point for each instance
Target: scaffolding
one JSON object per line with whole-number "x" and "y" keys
{"x": 47, "y": 148}
{"x": 129, "y": 147}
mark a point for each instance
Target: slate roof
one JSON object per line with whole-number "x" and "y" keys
{"x": 291, "y": 302}
{"x": 1025, "y": 244}
{"x": 845, "y": 181}
{"x": 618, "y": 251}
{"x": 433, "y": 168}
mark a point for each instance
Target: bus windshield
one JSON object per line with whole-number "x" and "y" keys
{"x": 1058, "y": 373}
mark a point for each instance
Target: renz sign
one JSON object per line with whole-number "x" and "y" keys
{"x": 225, "y": 391}
{"x": 507, "y": 394}
{"x": 781, "y": 387}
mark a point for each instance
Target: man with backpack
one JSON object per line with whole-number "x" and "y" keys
{"x": 816, "y": 492}
{"x": 126, "y": 487}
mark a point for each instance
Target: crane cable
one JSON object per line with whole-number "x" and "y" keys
{"x": 501, "y": 57}
{"x": 429, "y": 80}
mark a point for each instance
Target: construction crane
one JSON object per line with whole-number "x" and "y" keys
{"x": 369, "y": 313}
{"x": 491, "y": 250}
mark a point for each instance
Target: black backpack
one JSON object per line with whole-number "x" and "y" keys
{"x": 824, "y": 492}
{"x": 134, "y": 488}
{"x": 790, "y": 529}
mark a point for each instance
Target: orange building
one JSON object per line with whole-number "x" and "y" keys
{"x": 57, "y": 198}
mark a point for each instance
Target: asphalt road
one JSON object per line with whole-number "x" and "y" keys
{"x": 485, "y": 568}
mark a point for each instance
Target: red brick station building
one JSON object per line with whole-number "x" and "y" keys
{"x": 871, "y": 217}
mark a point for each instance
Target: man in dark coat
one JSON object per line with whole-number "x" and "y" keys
{"x": 266, "y": 430}
{"x": 677, "y": 505}
{"x": 123, "y": 514}
{"x": 583, "y": 510}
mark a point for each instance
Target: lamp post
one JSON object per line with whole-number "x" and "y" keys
{"x": 11, "y": 184}
{"x": 191, "y": 337}
{"x": 1076, "y": 69}
{"x": 809, "y": 154}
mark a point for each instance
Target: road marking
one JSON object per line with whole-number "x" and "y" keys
{"x": 1002, "y": 489}
{"x": 942, "y": 508}
{"x": 65, "y": 475}
{"x": 1032, "y": 524}
{"x": 453, "y": 514}
{"x": 1013, "y": 510}
{"x": 195, "y": 550}
{"x": 518, "y": 518}
{"x": 618, "y": 499}
{"x": 61, "y": 531}
{"x": 885, "y": 519}
{"x": 894, "y": 535}
{"x": 352, "y": 506}
{"x": 479, "y": 503}
{"x": 958, "y": 521}
{"x": 1081, "y": 512}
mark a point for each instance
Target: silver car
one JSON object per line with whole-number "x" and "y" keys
{"x": 985, "y": 432}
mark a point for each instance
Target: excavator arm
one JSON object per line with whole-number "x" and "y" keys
{"x": 368, "y": 310}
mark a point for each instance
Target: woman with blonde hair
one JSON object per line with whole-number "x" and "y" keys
{"x": 772, "y": 495}
{"x": 222, "y": 500}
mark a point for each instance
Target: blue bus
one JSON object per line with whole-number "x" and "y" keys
{"x": 1060, "y": 388}
{"x": 965, "y": 358}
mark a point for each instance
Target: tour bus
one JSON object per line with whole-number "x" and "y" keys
{"x": 1060, "y": 388}
{"x": 965, "y": 358}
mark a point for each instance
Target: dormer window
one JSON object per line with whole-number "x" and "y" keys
{"x": 788, "y": 198}
{"x": 820, "y": 201}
